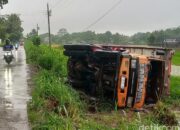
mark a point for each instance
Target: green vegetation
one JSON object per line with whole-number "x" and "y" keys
{"x": 47, "y": 58}
{"x": 175, "y": 85}
{"x": 53, "y": 104}
{"x": 57, "y": 106}
{"x": 36, "y": 40}
{"x": 174, "y": 99}
{"x": 11, "y": 28}
{"x": 155, "y": 37}
{"x": 3, "y": 2}
{"x": 176, "y": 58}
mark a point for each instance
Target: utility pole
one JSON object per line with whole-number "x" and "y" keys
{"x": 37, "y": 29}
{"x": 49, "y": 29}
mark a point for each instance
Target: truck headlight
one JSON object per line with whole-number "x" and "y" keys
{"x": 123, "y": 80}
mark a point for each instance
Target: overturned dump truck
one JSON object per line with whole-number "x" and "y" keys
{"x": 130, "y": 76}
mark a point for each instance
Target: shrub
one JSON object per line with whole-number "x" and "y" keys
{"x": 46, "y": 61}
{"x": 163, "y": 115}
{"x": 36, "y": 40}
{"x": 47, "y": 58}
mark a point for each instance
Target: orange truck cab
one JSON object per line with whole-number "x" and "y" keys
{"x": 133, "y": 75}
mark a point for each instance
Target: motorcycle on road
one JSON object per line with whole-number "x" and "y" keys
{"x": 8, "y": 56}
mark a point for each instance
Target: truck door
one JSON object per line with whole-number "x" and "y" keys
{"x": 133, "y": 76}
{"x": 123, "y": 78}
{"x": 140, "y": 95}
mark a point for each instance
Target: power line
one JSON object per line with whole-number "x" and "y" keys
{"x": 101, "y": 17}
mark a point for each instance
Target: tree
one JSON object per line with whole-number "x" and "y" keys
{"x": 14, "y": 29}
{"x": 2, "y": 29}
{"x": 116, "y": 38}
{"x": 65, "y": 39}
{"x": 108, "y": 37}
{"x": 32, "y": 33}
{"x": 36, "y": 40}
{"x": 88, "y": 36}
{"x": 62, "y": 32}
{"x": 2, "y": 21}
{"x": 151, "y": 39}
{"x": 3, "y": 2}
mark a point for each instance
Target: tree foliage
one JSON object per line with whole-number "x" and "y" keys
{"x": 3, "y": 2}
{"x": 155, "y": 37}
{"x": 87, "y": 37}
{"x": 11, "y": 28}
{"x": 151, "y": 39}
{"x": 62, "y": 32}
{"x": 32, "y": 33}
{"x": 3, "y": 28}
{"x": 14, "y": 28}
{"x": 36, "y": 40}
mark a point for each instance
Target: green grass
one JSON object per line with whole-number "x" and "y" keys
{"x": 174, "y": 99}
{"x": 176, "y": 58}
{"x": 47, "y": 58}
{"x": 56, "y": 106}
{"x": 175, "y": 86}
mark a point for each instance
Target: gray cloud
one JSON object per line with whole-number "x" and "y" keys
{"x": 129, "y": 17}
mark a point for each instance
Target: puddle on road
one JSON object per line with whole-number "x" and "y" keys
{"x": 8, "y": 82}
{"x": 16, "y": 56}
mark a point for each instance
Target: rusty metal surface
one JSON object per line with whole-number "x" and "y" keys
{"x": 137, "y": 46}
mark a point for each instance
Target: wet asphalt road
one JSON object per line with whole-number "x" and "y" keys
{"x": 14, "y": 92}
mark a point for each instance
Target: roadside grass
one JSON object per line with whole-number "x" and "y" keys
{"x": 176, "y": 58}
{"x": 174, "y": 99}
{"x": 57, "y": 106}
{"x": 53, "y": 103}
{"x": 47, "y": 58}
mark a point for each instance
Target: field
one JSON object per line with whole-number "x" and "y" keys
{"x": 176, "y": 58}
{"x": 174, "y": 99}
{"x": 55, "y": 105}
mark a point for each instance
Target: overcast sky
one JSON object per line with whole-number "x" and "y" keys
{"x": 129, "y": 17}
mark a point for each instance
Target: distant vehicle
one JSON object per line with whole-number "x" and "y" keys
{"x": 16, "y": 46}
{"x": 21, "y": 43}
